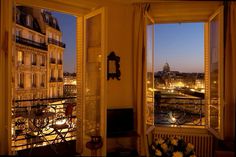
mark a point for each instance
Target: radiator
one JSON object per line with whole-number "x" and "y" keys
{"x": 203, "y": 142}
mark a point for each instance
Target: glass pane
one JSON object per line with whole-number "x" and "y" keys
{"x": 150, "y": 76}
{"x": 214, "y": 73}
{"x": 93, "y": 76}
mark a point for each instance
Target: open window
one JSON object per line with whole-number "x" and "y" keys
{"x": 211, "y": 13}
{"x": 214, "y": 72}
{"x": 94, "y": 76}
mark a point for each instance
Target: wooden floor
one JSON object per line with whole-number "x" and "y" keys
{"x": 65, "y": 149}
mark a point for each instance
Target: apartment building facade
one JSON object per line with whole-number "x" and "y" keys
{"x": 39, "y": 59}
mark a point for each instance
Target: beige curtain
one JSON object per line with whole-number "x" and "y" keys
{"x": 230, "y": 72}
{"x": 139, "y": 73}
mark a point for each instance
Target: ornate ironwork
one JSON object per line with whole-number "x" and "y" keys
{"x": 31, "y": 43}
{"x": 179, "y": 111}
{"x": 32, "y": 121}
{"x": 55, "y": 42}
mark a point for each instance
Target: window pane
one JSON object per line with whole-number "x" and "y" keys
{"x": 214, "y": 70}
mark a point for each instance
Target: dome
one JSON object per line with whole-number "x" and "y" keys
{"x": 166, "y": 68}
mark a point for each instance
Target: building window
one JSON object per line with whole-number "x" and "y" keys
{"x": 43, "y": 60}
{"x": 21, "y": 80}
{"x": 46, "y": 18}
{"x": 50, "y": 35}
{"x": 20, "y": 57}
{"x": 57, "y": 37}
{"x": 33, "y": 79}
{"x": 29, "y": 21}
{"x": 54, "y": 21}
{"x": 18, "y": 16}
{"x": 33, "y": 59}
{"x": 177, "y": 81}
{"x": 43, "y": 80}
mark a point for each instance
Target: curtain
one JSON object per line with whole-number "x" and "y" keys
{"x": 139, "y": 73}
{"x": 230, "y": 71}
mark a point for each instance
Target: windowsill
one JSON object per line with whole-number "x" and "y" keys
{"x": 180, "y": 126}
{"x": 182, "y": 130}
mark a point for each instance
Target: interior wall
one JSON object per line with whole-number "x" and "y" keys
{"x": 119, "y": 40}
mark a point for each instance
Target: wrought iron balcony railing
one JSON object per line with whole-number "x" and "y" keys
{"x": 31, "y": 43}
{"x": 179, "y": 111}
{"x": 43, "y": 122}
{"x": 55, "y": 42}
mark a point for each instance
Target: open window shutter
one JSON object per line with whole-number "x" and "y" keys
{"x": 214, "y": 73}
{"x": 150, "y": 70}
{"x": 94, "y": 120}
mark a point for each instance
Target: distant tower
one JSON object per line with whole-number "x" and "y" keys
{"x": 166, "y": 68}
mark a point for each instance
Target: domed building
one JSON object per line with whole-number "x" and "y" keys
{"x": 166, "y": 68}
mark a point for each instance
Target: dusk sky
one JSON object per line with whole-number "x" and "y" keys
{"x": 181, "y": 45}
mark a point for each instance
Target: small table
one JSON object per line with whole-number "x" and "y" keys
{"x": 39, "y": 121}
{"x": 94, "y": 144}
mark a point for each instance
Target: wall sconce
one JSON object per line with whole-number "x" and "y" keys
{"x": 113, "y": 66}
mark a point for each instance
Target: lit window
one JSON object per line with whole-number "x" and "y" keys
{"x": 20, "y": 57}
{"x": 50, "y": 35}
{"x": 57, "y": 37}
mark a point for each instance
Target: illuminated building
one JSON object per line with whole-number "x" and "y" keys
{"x": 39, "y": 58}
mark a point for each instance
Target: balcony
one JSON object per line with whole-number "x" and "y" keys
{"x": 55, "y": 42}
{"x": 42, "y": 64}
{"x": 31, "y": 43}
{"x": 59, "y": 61}
{"x": 34, "y": 63}
{"x": 53, "y": 79}
{"x": 60, "y": 79}
{"x": 34, "y": 123}
{"x": 186, "y": 111}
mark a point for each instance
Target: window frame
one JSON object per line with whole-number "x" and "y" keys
{"x": 219, "y": 135}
